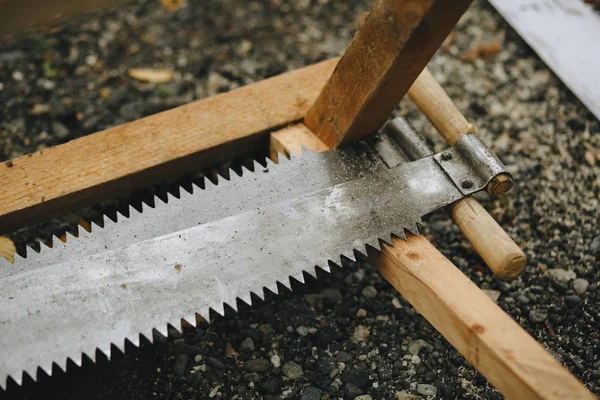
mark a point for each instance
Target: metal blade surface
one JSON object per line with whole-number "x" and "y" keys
{"x": 60, "y": 311}
{"x": 263, "y": 185}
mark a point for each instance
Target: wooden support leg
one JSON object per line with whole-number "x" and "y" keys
{"x": 489, "y": 339}
{"x": 390, "y": 50}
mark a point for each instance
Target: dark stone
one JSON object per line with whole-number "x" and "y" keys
{"x": 344, "y": 357}
{"x": 356, "y": 376}
{"x": 258, "y": 365}
{"x": 573, "y": 302}
{"x": 271, "y": 386}
{"x": 595, "y": 246}
{"x": 576, "y": 123}
{"x": 352, "y": 391}
{"x": 215, "y": 363}
{"x": 311, "y": 393}
{"x": 331, "y": 296}
{"x": 247, "y": 345}
{"x": 180, "y": 364}
{"x": 327, "y": 336}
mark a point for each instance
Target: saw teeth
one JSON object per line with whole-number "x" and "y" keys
{"x": 219, "y": 308}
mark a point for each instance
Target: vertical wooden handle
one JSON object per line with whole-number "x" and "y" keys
{"x": 496, "y": 248}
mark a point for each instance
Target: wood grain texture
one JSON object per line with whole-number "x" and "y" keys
{"x": 500, "y": 253}
{"x": 291, "y": 139}
{"x": 431, "y": 99}
{"x": 164, "y": 145}
{"x": 395, "y": 43}
{"x": 504, "y": 257}
{"x": 20, "y": 15}
{"x": 490, "y": 339}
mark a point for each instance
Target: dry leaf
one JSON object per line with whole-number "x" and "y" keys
{"x": 7, "y": 249}
{"x": 173, "y": 5}
{"x": 483, "y": 51}
{"x": 151, "y": 75}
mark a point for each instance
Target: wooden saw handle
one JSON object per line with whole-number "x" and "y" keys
{"x": 504, "y": 257}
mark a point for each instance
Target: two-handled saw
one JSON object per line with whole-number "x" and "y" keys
{"x": 188, "y": 255}
{"x": 225, "y": 242}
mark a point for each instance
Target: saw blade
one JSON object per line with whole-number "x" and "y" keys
{"x": 286, "y": 179}
{"x": 105, "y": 298}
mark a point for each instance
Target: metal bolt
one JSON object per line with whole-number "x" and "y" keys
{"x": 446, "y": 156}
{"x": 467, "y": 184}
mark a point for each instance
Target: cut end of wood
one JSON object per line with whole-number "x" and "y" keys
{"x": 292, "y": 139}
{"x": 501, "y": 254}
{"x": 7, "y": 249}
{"x": 499, "y": 185}
{"x": 513, "y": 265}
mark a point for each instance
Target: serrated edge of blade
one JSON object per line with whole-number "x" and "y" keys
{"x": 218, "y": 308}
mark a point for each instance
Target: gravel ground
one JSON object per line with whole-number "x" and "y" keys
{"x": 348, "y": 333}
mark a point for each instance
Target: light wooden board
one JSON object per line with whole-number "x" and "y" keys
{"x": 391, "y": 48}
{"x": 566, "y": 35}
{"x": 21, "y": 15}
{"x": 142, "y": 152}
{"x": 490, "y": 339}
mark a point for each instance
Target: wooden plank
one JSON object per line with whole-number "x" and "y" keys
{"x": 504, "y": 257}
{"x": 395, "y": 43}
{"x": 20, "y": 15}
{"x": 490, "y": 339}
{"x": 133, "y": 155}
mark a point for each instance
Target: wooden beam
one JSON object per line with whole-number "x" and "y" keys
{"x": 490, "y": 339}
{"x": 20, "y": 15}
{"x": 390, "y": 50}
{"x": 121, "y": 159}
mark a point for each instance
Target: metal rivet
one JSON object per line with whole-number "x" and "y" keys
{"x": 467, "y": 184}
{"x": 446, "y": 156}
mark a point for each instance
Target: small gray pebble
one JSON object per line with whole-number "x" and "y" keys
{"x": 538, "y": 316}
{"x": 369, "y": 292}
{"x": 595, "y": 245}
{"x": 311, "y": 393}
{"x": 426, "y": 390}
{"x": 61, "y": 131}
{"x": 406, "y": 396}
{"x": 415, "y": 347}
{"x": 247, "y": 345}
{"x": 561, "y": 275}
{"x": 258, "y": 365}
{"x": 580, "y": 286}
{"x": 292, "y": 370}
